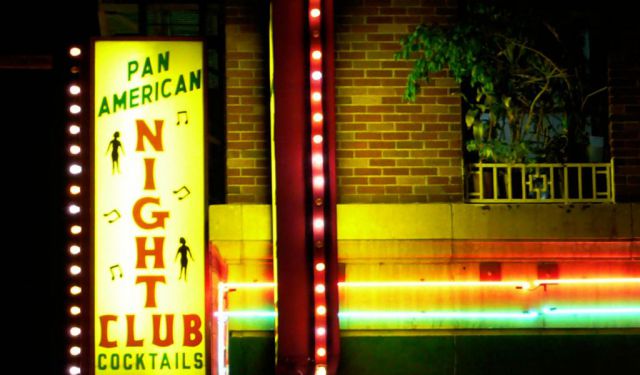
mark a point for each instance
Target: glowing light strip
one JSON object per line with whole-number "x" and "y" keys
{"x": 398, "y": 315}
{"x": 263, "y": 285}
{"x": 592, "y": 311}
{"x": 318, "y": 180}
{"x": 74, "y": 209}
{"x": 405, "y": 315}
{"x": 419, "y": 284}
{"x": 395, "y": 315}
{"x": 222, "y": 330}
{"x": 588, "y": 281}
{"x": 245, "y": 314}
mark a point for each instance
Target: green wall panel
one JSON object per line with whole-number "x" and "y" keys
{"x": 461, "y": 355}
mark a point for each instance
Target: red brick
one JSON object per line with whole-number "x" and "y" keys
{"x": 368, "y": 171}
{"x": 382, "y": 162}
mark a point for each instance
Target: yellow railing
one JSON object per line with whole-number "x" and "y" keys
{"x": 540, "y": 183}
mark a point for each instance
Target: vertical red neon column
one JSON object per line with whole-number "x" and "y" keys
{"x": 318, "y": 183}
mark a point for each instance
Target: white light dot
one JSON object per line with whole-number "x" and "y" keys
{"x": 76, "y": 229}
{"x": 318, "y": 182}
{"x": 317, "y": 75}
{"x": 317, "y": 160}
{"x": 74, "y": 249}
{"x": 321, "y": 370}
{"x": 74, "y": 370}
{"x": 75, "y": 270}
{"x": 317, "y": 117}
{"x": 74, "y": 189}
{"x": 316, "y": 55}
{"x": 74, "y": 129}
{"x": 75, "y": 331}
{"x": 321, "y": 310}
{"x": 73, "y": 209}
{"x": 75, "y": 290}
{"x": 318, "y": 223}
{"x": 74, "y": 90}
{"x": 75, "y": 109}
{"x": 75, "y": 51}
{"x": 75, "y": 350}
{"x": 74, "y": 149}
{"x": 321, "y": 331}
{"x": 75, "y": 169}
{"x": 320, "y": 288}
{"x": 316, "y": 96}
{"x": 321, "y": 352}
{"x": 75, "y": 310}
{"x": 315, "y": 12}
{"x": 320, "y": 267}
{"x": 317, "y": 139}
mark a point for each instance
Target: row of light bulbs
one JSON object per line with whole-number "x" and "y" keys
{"x": 74, "y": 210}
{"x": 318, "y": 185}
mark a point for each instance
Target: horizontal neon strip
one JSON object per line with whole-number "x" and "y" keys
{"x": 411, "y": 284}
{"x": 265, "y": 285}
{"x": 245, "y": 314}
{"x": 395, "y": 284}
{"x": 435, "y": 314}
{"x": 400, "y": 315}
{"x": 396, "y": 315}
{"x": 587, "y": 281}
{"x": 401, "y": 284}
{"x": 592, "y": 311}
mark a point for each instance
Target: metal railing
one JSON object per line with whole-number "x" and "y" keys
{"x": 540, "y": 183}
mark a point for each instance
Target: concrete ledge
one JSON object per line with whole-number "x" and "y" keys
{"x": 457, "y": 221}
{"x": 461, "y": 221}
{"x": 245, "y": 222}
{"x": 394, "y": 221}
{"x": 542, "y": 221}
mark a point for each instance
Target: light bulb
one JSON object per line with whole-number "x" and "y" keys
{"x": 74, "y": 129}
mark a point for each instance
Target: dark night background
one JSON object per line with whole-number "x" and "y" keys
{"x": 34, "y": 182}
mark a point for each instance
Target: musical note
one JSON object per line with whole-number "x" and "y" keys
{"x": 181, "y": 189}
{"x": 185, "y": 117}
{"x": 117, "y": 266}
{"x": 115, "y": 212}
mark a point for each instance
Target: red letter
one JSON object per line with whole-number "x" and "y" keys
{"x": 156, "y": 330}
{"x": 104, "y": 328}
{"x": 131, "y": 340}
{"x": 149, "y": 180}
{"x": 144, "y": 132}
{"x": 192, "y": 334}
{"x": 159, "y": 216}
{"x": 156, "y": 252}
{"x": 151, "y": 288}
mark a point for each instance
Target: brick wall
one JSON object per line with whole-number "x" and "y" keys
{"x": 248, "y": 171}
{"x": 389, "y": 150}
{"x": 624, "y": 116}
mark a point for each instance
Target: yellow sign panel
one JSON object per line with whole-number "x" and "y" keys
{"x": 149, "y": 207}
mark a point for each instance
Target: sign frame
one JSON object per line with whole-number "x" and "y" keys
{"x": 204, "y": 256}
